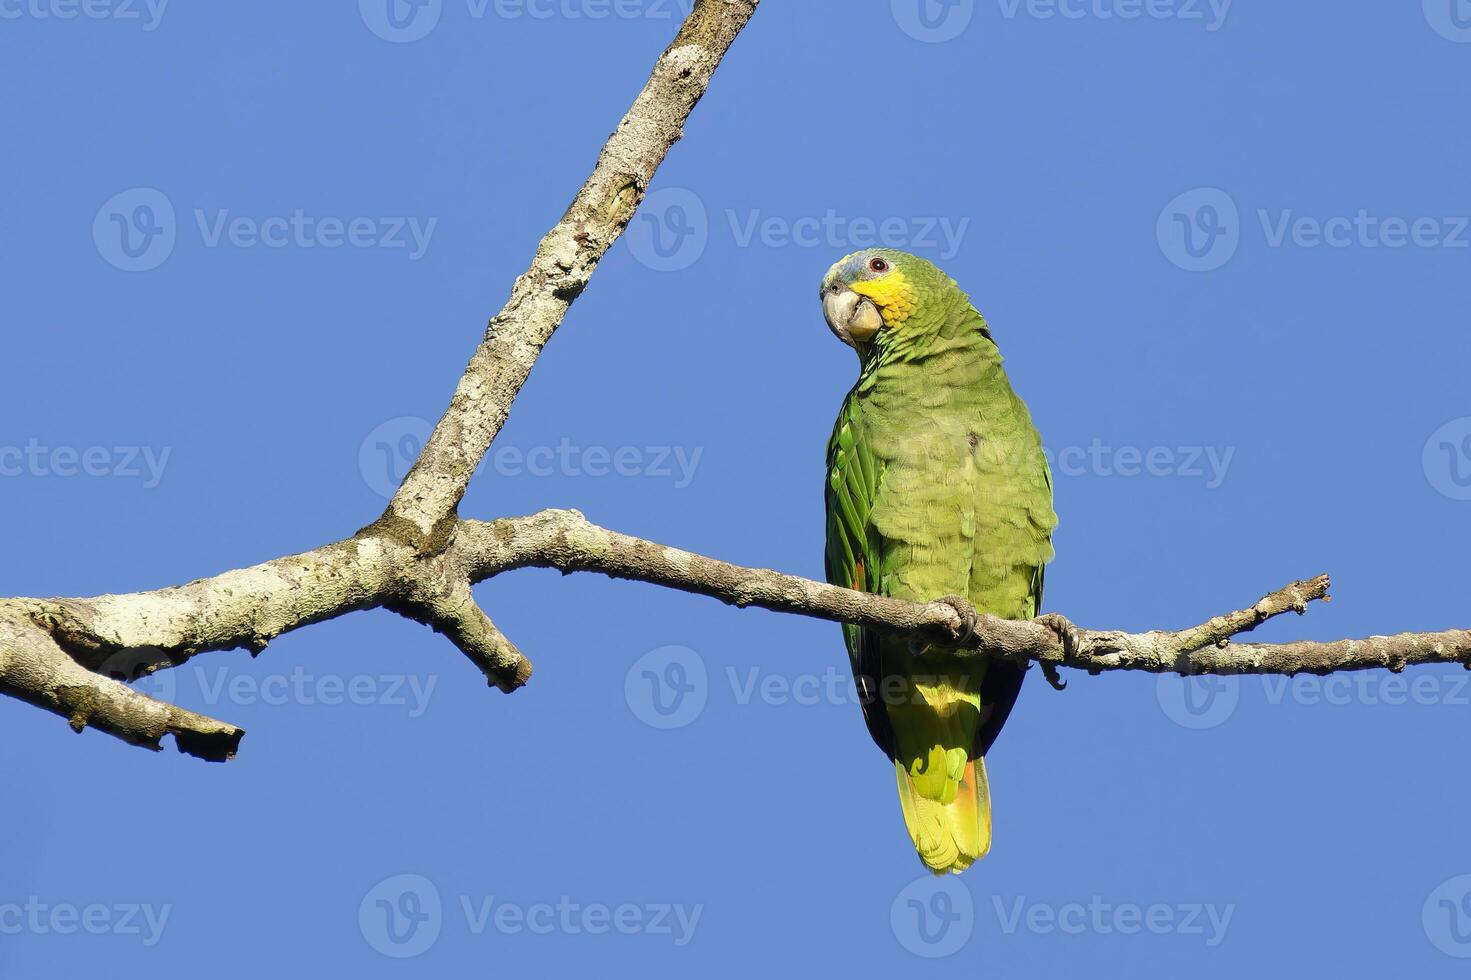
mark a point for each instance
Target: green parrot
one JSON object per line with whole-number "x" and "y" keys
{"x": 937, "y": 488}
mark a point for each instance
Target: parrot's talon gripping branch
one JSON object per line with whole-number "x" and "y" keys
{"x": 969, "y": 618}
{"x": 1067, "y": 637}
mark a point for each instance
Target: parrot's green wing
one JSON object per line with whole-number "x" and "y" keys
{"x": 853, "y": 553}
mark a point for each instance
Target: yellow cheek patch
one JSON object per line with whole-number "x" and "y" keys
{"x": 892, "y": 294}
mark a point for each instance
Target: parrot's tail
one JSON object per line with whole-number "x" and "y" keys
{"x": 949, "y": 836}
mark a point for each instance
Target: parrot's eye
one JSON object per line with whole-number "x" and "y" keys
{"x": 877, "y": 264}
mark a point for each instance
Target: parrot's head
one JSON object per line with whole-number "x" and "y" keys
{"x": 876, "y": 289}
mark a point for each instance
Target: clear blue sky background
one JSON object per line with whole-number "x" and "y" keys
{"x": 1323, "y": 826}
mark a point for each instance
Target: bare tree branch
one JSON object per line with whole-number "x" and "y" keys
{"x": 34, "y": 668}
{"x": 568, "y": 541}
{"x": 71, "y": 656}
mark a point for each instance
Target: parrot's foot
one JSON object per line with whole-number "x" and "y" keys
{"x": 1067, "y": 635}
{"x": 969, "y": 618}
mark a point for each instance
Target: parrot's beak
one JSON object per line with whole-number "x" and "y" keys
{"x": 853, "y": 318}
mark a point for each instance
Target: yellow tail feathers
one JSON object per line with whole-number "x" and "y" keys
{"x": 953, "y": 835}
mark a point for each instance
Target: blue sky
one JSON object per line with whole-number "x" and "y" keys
{"x": 247, "y": 251}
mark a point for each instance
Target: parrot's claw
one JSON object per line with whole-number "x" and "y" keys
{"x": 969, "y": 618}
{"x": 1067, "y": 635}
{"x": 1054, "y": 678}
